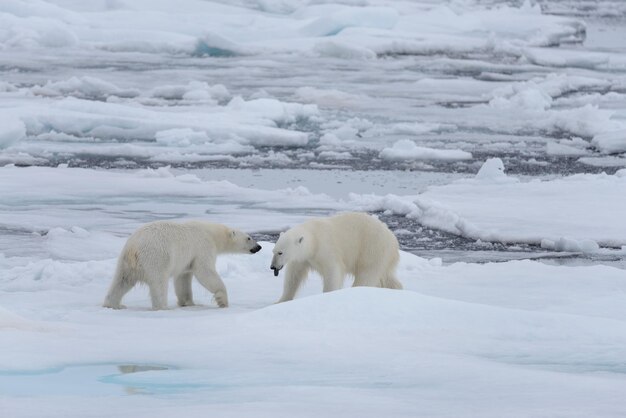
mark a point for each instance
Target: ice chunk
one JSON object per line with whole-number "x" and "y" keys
{"x": 563, "y": 58}
{"x": 571, "y": 245}
{"x": 329, "y": 97}
{"x": 332, "y": 24}
{"x": 492, "y": 169}
{"x": 611, "y": 142}
{"x": 408, "y": 150}
{"x": 34, "y": 32}
{"x": 194, "y": 91}
{"x": 530, "y": 99}
{"x": 338, "y": 49}
{"x": 564, "y": 150}
{"x": 214, "y": 45}
{"x": 12, "y": 130}
{"x": 181, "y": 137}
{"x": 83, "y": 87}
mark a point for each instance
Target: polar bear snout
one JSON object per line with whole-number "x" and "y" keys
{"x": 255, "y": 249}
{"x": 276, "y": 264}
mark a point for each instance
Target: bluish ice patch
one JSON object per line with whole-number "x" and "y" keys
{"x": 204, "y": 50}
{"x": 80, "y": 380}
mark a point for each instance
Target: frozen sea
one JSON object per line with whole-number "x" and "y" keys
{"x": 489, "y": 135}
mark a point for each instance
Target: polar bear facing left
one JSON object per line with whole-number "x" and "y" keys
{"x": 351, "y": 243}
{"x": 160, "y": 250}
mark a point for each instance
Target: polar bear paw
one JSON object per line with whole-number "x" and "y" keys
{"x": 221, "y": 298}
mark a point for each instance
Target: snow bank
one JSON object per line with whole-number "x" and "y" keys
{"x": 534, "y": 211}
{"x": 408, "y": 150}
{"x": 493, "y": 207}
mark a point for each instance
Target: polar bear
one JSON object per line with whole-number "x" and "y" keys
{"x": 350, "y": 243}
{"x": 164, "y": 249}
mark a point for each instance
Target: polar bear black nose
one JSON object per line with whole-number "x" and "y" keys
{"x": 256, "y": 249}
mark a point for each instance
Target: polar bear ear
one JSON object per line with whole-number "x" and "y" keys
{"x": 300, "y": 240}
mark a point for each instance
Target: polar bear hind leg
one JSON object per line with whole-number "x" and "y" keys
{"x": 122, "y": 283}
{"x": 391, "y": 282}
{"x": 370, "y": 278}
{"x": 182, "y": 286}
{"x": 333, "y": 279}
{"x": 158, "y": 292}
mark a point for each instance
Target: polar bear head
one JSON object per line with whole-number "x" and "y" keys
{"x": 293, "y": 245}
{"x": 240, "y": 242}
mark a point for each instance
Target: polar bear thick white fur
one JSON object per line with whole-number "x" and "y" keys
{"x": 160, "y": 250}
{"x": 350, "y": 243}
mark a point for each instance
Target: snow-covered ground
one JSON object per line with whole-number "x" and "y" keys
{"x": 497, "y": 125}
{"x": 497, "y": 339}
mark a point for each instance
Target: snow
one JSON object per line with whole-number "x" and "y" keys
{"x": 457, "y": 334}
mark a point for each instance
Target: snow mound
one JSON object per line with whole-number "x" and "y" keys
{"x": 492, "y": 170}
{"x": 359, "y": 307}
{"x": 408, "y": 150}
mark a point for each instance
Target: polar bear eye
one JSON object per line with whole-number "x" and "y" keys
{"x": 280, "y": 253}
{"x": 248, "y": 238}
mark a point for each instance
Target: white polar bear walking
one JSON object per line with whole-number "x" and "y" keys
{"x": 163, "y": 249}
{"x": 350, "y": 243}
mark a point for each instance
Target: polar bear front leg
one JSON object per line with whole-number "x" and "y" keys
{"x": 294, "y": 276}
{"x": 208, "y": 277}
{"x": 182, "y": 286}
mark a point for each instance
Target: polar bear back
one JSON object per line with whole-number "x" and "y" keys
{"x": 355, "y": 240}
{"x": 172, "y": 247}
